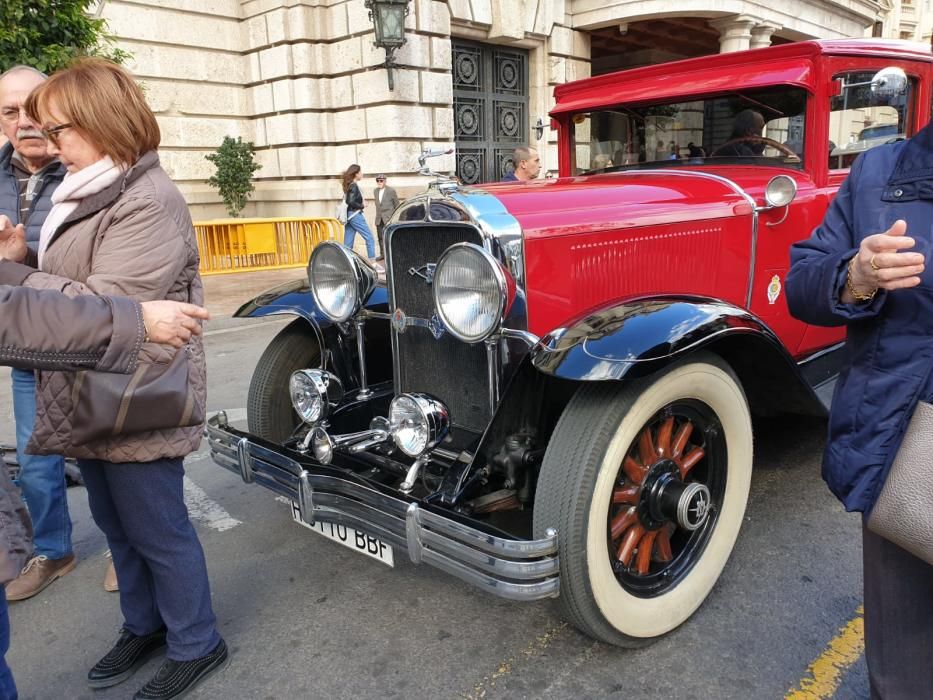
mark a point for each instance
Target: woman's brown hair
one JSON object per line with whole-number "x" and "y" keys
{"x": 103, "y": 103}
{"x": 349, "y": 175}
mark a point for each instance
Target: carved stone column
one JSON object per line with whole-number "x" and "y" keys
{"x": 735, "y": 32}
{"x": 761, "y": 35}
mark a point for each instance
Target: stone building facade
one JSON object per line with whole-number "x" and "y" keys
{"x": 303, "y": 81}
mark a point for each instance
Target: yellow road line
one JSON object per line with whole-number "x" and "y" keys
{"x": 824, "y": 674}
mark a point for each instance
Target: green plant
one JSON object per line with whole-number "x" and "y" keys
{"x": 234, "y": 177}
{"x": 49, "y": 34}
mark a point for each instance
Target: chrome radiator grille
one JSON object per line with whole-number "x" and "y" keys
{"x": 446, "y": 368}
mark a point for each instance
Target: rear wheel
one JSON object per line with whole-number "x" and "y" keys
{"x": 269, "y": 409}
{"x": 646, "y": 484}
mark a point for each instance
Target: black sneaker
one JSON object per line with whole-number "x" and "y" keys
{"x": 128, "y": 654}
{"x": 175, "y": 679}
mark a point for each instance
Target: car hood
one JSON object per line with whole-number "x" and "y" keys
{"x": 620, "y": 200}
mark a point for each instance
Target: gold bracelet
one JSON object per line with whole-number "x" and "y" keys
{"x": 859, "y": 296}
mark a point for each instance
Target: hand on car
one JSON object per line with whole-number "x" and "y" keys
{"x": 880, "y": 264}
{"x": 172, "y": 322}
{"x": 12, "y": 241}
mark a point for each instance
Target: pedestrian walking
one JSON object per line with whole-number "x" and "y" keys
{"x": 28, "y": 177}
{"x": 120, "y": 226}
{"x": 356, "y": 222}
{"x": 386, "y": 203}
{"x": 864, "y": 267}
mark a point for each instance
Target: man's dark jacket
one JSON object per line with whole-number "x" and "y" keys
{"x": 889, "y": 347}
{"x": 42, "y": 200}
{"x": 44, "y": 329}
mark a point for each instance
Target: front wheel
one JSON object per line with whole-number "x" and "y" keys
{"x": 646, "y": 484}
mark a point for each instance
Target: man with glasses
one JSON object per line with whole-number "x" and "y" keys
{"x": 28, "y": 177}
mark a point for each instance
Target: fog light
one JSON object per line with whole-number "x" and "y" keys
{"x": 417, "y": 422}
{"x": 314, "y": 392}
{"x": 322, "y": 447}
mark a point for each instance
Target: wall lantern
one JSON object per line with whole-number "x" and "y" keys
{"x": 389, "y": 18}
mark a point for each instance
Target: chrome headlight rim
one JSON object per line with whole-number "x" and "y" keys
{"x": 361, "y": 276}
{"x": 434, "y": 416}
{"x": 328, "y": 387}
{"x": 504, "y": 284}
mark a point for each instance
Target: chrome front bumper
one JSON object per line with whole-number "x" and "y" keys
{"x": 508, "y": 567}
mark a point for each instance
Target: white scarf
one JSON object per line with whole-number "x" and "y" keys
{"x": 68, "y": 195}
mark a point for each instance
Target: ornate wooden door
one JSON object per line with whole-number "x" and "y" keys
{"x": 490, "y": 109}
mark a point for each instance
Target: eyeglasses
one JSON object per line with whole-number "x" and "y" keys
{"x": 12, "y": 114}
{"x": 380, "y": 179}
{"x": 52, "y": 132}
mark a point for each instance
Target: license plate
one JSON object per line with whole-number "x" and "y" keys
{"x": 349, "y": 537}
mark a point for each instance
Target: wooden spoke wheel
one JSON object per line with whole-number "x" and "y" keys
{"x": 646, "y": 483}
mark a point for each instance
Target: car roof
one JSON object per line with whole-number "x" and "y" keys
{"x": 790, "y": 63}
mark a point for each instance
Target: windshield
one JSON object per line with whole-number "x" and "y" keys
{"x": 758, "y": 127}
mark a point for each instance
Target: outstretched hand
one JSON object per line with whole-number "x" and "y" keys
{"x": 172, "y": 322}
{"x": 881, "y": 264}
{"x": 12, "y": 241}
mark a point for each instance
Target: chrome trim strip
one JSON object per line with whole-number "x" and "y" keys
{"x": 305, "y": 498}
{"x": 413, "y": 533}
{"x": 492, "y": 372}
{"x": 365, "y": 392}
{"x": 246, "y": 471}
{"x": 510, "y": 568}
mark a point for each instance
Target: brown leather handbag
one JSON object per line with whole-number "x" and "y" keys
{"x": 157, "y": 396}
{"x": 903, "y": 513}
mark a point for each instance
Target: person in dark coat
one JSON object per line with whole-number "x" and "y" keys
{"x": 744, "y": 141}
{"x": 864, "y": 268}
{"x": 29, "y": 176}
{"x": 386, "y": 200}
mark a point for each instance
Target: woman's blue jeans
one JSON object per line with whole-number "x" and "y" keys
{"x": 41, "y": 477}
{"x": 357, "y": 224}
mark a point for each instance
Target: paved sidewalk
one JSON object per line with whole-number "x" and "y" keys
{"x": 224, "y": 294}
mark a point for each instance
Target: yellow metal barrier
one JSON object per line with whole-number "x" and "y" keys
{"x": 242, "y": 245}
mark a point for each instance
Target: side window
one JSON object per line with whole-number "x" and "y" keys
{"x": 860, "y": 119}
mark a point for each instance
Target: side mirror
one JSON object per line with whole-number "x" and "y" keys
{"x": 889, "y": 81}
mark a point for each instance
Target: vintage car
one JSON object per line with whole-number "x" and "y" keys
{"x": 550, "y": 394}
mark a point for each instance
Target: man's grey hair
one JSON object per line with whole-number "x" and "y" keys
{"x": 523, "y": 153}
{"x": 23, "y": 69}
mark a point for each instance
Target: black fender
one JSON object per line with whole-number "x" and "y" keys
{"x": 295, "y": 299}
{"x": 642, "y": 336}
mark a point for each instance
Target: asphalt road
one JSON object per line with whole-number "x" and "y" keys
{"x": 307, "y": 618}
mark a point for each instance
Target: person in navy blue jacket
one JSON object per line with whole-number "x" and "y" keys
{"x": 864, "y": 268}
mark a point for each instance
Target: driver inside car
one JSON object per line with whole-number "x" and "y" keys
{"x": 749, "y": 124}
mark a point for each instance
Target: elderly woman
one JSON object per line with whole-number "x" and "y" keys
{"x": 120, "y": 227}
{"x": 864, "y": 268}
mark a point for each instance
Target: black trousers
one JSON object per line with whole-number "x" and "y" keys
{"x": 898, "y": 621}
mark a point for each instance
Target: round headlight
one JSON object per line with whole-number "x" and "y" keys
{"x": 417, "y": 423}
{"x": 340, "y": 282}
{"x": 313, "y": 392}
{"x": 471, "y": 292}
{"x": 780, "y": 191}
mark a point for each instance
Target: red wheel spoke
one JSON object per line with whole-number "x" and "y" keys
{"x": 630, "y": 543}
{"x": 646, "y": 449}
{"x": 680, "y": 440}
{"x": 663, "y": 545}
{"x": 664, "y": 437}
{"x": 690, "y": 461}
{"x": 643, "y": 562}
{"x": 622, "y": 522}
{"x": 633, "y": 470}
{"x": 626, "y": 496}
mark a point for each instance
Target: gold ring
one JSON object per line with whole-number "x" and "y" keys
{"x": 872, "y": 263}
